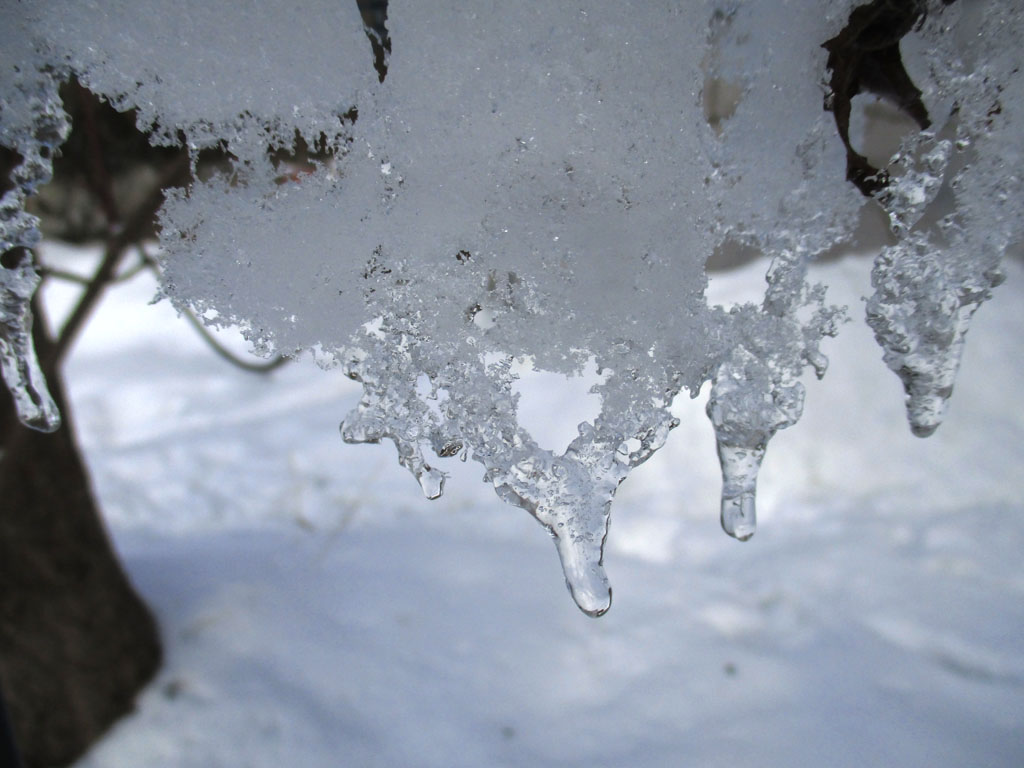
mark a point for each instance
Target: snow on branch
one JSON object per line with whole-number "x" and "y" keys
{"x": 533, "y": 184}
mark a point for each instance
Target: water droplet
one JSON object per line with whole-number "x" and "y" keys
{"x": 739, "y": 515}
{"x": 431, "y": 481}
{"x": 583, "y": 566}
{"x": 740, "y": 465}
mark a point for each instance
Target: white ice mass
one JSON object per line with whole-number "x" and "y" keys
{"x": 542, "y": 184}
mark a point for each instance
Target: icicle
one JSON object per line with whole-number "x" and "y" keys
{"x": 571, "y": 496}
{"x": 431, "y": 481}
{"x": 21, "y": 372}
{"x": 954, "y": 201}
{"x": 740, "y": 466}
{"x": 360, "y": 427}
{"x": 579, "y": 530}
{"x": 920, "y": 312}
{"x": 746, "y": 409}
{"x": 34, "y": 126}
{"x": 582, "y": 560}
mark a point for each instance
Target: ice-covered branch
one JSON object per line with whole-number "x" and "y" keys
{"x": 540, "y": 184}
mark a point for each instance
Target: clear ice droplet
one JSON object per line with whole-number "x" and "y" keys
{"x": 582, "y": 563}
{"x": 739, "y": 515}
{"x": 18, "y": 363}
{"x": 24, "y": 379}
{"x": 740, "y": 466}
{"x": 431, "y": 482}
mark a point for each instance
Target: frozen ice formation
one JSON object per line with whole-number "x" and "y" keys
{"x": 954, "y": 200}
{"x": 543, "y": 184}
{"x": 32, "y": 126}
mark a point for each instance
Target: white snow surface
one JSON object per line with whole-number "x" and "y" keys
{"x": 316, "y": 611}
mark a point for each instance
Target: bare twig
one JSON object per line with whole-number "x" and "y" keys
{"x": 98, "y": 178}
{"x": 127, "y": 235}
{"x": 247, "y": 365}
{"x": 145, "y": 261}
{"x": 148, "y": 262}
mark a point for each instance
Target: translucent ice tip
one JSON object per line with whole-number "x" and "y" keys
{"x": 27, "y": 385}
{"x": 923, "y": 430}
{"x": 926, "y": 409}
{"x": 585, "y": 576}
{"x": 43, "y": 418}
{"x": 739, "y": 515}
{"x": 740, "y": 465}
{"x": 431, "y": 482}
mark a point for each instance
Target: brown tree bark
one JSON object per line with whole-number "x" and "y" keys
{"x": 76, "y": 642}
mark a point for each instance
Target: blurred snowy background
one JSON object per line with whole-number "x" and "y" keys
{"x": 317, "y": 611}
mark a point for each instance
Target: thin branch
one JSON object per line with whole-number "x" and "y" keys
{"x": 147, "y": 261}
{"x": 106, "y": 273}
{"x": 62, "y": 274}
{"x": 247, "y": 365}
{"x": 98, "y": 179}
{"x": 128, "y": 274}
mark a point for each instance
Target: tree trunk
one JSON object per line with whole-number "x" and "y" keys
{"x": 76, "y": 642}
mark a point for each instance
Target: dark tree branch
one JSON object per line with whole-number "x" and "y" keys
{"x": 246, "y": 365}
{"x": 865, "y": 58}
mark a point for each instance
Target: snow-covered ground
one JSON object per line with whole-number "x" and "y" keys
{"x": 317, "y": 611}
